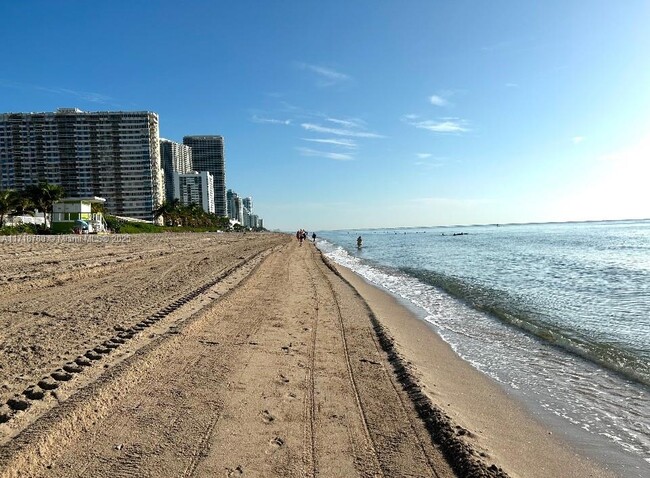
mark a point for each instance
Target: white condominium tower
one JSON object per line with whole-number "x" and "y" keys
{"x": 175, "y": 158}
{"x": 110, "y": 154}
{"x": 207, "y": 155}
{"x": 195, "y": 188}
{"x": 248, "y": 203}
{"x": 235, "y": 207}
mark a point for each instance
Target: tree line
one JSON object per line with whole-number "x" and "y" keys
{"x": 174, "y": 213}
{"x": 41, "y": 196}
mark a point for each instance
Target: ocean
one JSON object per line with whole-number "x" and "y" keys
{"x": 558, "y": 314}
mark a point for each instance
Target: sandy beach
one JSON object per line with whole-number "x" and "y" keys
{"x": 238, "y": 355}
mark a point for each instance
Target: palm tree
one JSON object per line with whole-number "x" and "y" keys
{"x": 23, "y": 205}
{"x": 44, "y": 195}
{"x": 195, "y": 214}
{"x": 169, "y": 210}
{"x": 7, "y": 204}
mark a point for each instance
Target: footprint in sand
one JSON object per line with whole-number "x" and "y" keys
{"x": 267, "y": 416}
{"x": 277, "y": 442}
{"x": 239, "y": 471}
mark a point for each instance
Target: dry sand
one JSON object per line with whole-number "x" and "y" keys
{"x": 236, "y": 355}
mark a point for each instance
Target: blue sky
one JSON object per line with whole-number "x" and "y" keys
{"x": 352, "y": 114}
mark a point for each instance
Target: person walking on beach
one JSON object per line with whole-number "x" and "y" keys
{"x": 301, "y": 235}
{"x": 313, "y": 236}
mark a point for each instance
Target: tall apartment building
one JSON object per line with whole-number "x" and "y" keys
{"x": 195, "y": 188}
{"x": 235, "y": 206}
{"x": 208, "y": 155}
{"x": 114, "y": 155}
{"x": 175, "y": 158}
{"x": 248, "y": 203}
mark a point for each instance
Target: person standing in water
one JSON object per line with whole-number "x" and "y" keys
{"x": 359, "y": 242}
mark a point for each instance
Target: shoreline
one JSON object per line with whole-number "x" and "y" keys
{"x": 284, "y": 361}
{"x": 499, "y": 424}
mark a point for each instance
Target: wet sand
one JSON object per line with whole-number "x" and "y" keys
{"x": 500, "y": 426}
{"x": 237, "y": 355}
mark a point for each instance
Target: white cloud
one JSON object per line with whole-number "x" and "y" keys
{"x": 428, "y": 161}
{"x": 497, "y": 46}
{"x": 89, "y": 96}
{"x": 345, "y": 142}
{"x": 578, "y": 139}
{"x": 257, "y": 119}
{"x": 339, "y": 132}
{"x": 325, "y": 154}
{"x": 450, "y": 202}
{"x": 512, "y": 85}
{"x": 327, "y": 76}
{"x": 348, "y": 123}
{"x": 436, "y": 100}
{"x": 444, "y": 125}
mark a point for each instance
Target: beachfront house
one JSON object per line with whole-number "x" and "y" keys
{"x": 75, "y": 215}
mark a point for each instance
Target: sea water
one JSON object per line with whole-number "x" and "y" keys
{"x": 559, "y": 314}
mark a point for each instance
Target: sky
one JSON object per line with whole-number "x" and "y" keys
{"x": 367, "y": 113}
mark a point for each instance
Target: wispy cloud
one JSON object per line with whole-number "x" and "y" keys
{"x": 339, "y": 132}
{"x": 502, "y": 45}
{"x": 437, "y": 100}
{"x": 428, "y": 161}
{"x": 512, "y": 85}
{"x": 343, "y": 142}
{"x": 88, "y": 96}
{"x": 325, "y": 154}
{"x": 577, "y": 139}
{"x": 450, "y": 202}
{"x": 443, "y": 125}
{"x": 258, "y": 119}
{"x": 348, "y": 123}
{"x": 326, "y": 76}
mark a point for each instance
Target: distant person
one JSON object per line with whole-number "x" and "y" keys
{"x": 359, "y": 242}
{"x": 313, "y": 236}
{"x": 301, "y": 235}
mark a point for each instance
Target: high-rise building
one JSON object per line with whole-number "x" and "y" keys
{"x": 248, "y": 203}
{"x": 195, "y": 188}
{"x": 175, "y": 158}
{"x": 230, "y": 203}
{"x": 208, "y": 155}
{"x": 235, "y": 206}
{"x": 113, "y": 155}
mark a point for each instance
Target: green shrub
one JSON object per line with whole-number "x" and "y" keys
{"x": 21, "y": 229}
